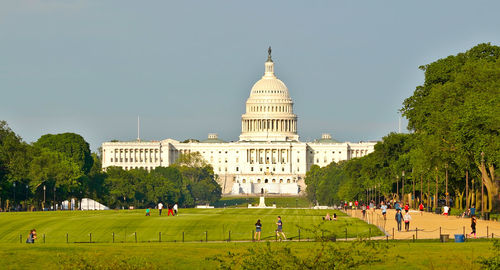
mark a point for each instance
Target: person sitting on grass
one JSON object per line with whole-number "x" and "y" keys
{"x": 31, "y": 237}
{"x": 327, "y": 217}
{"x": 334, "y": 216}
{"x": 280, "y": 229}
{"x": 148, "y": 212}
{"x": 258, "y": 230}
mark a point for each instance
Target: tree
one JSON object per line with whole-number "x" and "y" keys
{"x": 457, "y": 109}
{"x": 70, "y": 144}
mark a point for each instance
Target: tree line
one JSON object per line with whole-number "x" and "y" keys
{"x": 60, "y": 167}
{"x": 451, "y": 152}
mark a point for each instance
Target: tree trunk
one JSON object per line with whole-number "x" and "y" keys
{"x": 488, "y": 177}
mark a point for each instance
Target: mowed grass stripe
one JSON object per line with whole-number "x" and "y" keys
{"x": 193, "y": 222}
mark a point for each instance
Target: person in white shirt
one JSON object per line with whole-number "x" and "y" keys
{"x": 160, "y": 207}
{"x": 407, "y": 219}
{"x": 445, "y": 210}
{"x": 175, "y": 208}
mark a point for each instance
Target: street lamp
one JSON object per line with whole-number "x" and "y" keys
{"x": 403, "y": 186}
{"x": 54, "y": 198}
{"x": 14, "y": 184}
{"x": 26, "y": 197}
{"x": 44, "y": 188}
{"x": 446, "y": 185}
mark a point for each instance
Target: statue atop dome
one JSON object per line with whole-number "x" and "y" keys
{"x": 269, "y": 55}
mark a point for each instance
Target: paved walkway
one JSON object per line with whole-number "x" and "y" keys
{"x": 428, "y": 225}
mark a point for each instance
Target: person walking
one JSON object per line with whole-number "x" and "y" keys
{"x": 363, "y": 210}
{"x": 399, "y": 218}
{"x": 160, "y": 207}
{"x": 383, "y": 207}
{"x": 407, "y": 219}
{"x": 407, "y": 207}
{"x": 176, "y": 208}
{"x": 446, "y": 210}
{"x": 473, "y": 225}
{"x": 280, "y": 229}
{"x": 421, "y": 208}
{"x": 258, "y": 230}
{"x": 170, "y": 210}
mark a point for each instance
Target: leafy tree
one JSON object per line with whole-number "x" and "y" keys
{"x": 457, "y": 109}
{"x": 72, "y": 145}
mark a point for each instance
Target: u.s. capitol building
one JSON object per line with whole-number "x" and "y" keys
{"x": 268, "y": 156}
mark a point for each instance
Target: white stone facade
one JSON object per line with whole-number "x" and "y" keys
{"x": 268, "y": 157}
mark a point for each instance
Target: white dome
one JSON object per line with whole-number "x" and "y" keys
{"x": 269, "y": 86}
{"x": 269, "y": 110}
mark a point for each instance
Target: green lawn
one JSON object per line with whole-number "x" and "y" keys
{"x": 395, "y": 255}
{"x": 196, "y": 224}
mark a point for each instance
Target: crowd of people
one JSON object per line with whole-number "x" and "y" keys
{"x": 172, "y": 209}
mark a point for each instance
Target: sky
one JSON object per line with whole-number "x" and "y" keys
{"x": 187, "y": 67}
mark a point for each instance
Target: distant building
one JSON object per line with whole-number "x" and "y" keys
{"x": 268, "y": 155}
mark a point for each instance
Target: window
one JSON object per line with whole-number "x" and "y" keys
{"x": 266, "y": 181}
{"x": 274, "y": 180}
{"x": 258, "y": 180}
{"x": 282, "y": 169}
{"x": 111, "y": 159}
{"x": 251, "y": 169}
{"x": 260, "y": 169}
{"x": 288, "y": 180}
{"x": 244, "y": 181}
{"x": 237, "y": 169}
{"x": 281, "y": 180}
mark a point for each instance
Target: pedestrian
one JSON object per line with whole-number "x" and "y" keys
{"x": 258, "y": 229}
{"x": 473, "y": 225}
{"x": 160, "y": 207}
{"x": 356, "y": 204}
{"x": 421, "y": 208}
{"x": 383, "y": 207}
{"x": 407, "y": 219}
{"x": 31, "y": 237}
{"x": 407, "y": 207}
{"x": 472, "y": 211}
{"x": 399, "y": 218}
{"x": 363, "y": 209}
{"x": 148, "y": 211}
{"x": 170, "y": 210}
{"x": 176, "y": 208}
{"x": 280, "y": 229}
{"x": 334, "y": 216}
{"x": 446, "y": 210}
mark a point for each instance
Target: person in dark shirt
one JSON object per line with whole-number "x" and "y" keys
{"x": 280, "y": 229}
{"x": 258, "y": 229}
{"x": 399, "y": 218}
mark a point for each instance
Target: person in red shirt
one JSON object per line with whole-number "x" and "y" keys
{"x": 356, "y": 204}
{"x": 421, "y": 208}
{"x": 407, "y": 207}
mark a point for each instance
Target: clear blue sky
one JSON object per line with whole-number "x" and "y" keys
{"x": 187, "y": 67}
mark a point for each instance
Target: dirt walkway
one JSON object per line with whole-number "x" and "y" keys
{"x": 428, "y": 225}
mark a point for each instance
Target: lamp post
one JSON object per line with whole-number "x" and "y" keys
{"x": 43, "y": 205}
{"x": 446, "y": 183}
{"x": 14, "y": 184}
{"x": 397, "y": 187}
{"x": 403, "y": 188}
{"x": 26, "y": 197}
{"x": 54, "y": 202}
{"x": 482, "y": 185}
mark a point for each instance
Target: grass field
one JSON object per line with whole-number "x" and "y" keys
{"x": 191, "y": 224}
{"x": 395, "y": 255}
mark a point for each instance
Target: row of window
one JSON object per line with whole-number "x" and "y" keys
{"x": 270, "y": 108}
{"x": 135, "y": 160}
{"x": 266, "y": 181}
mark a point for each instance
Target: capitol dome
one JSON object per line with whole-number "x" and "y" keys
{"x": 269, "y": 110}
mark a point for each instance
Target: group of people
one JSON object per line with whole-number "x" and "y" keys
{"x": 332, "y": 217}
{"x": 172, "y": 209}
{"x": 279, "y": 230}
{"x": 31, "y": 237}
